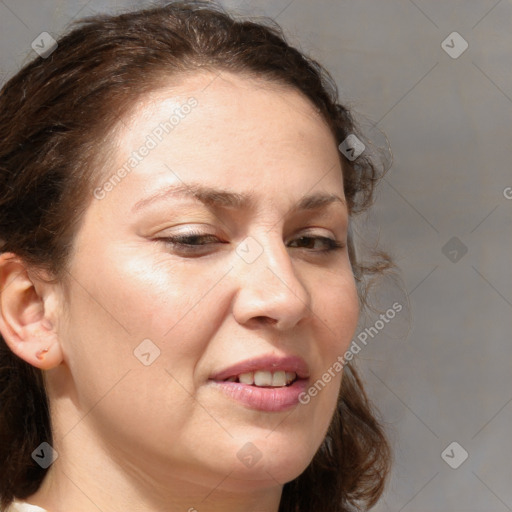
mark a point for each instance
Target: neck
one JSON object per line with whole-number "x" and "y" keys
{"x": 84, "y": 489}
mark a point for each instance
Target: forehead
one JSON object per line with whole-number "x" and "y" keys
{"x": 225, "y": 130}
{"x": 228, "y": 105}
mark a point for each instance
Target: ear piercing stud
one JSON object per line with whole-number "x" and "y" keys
{"x": 40, "y": 353}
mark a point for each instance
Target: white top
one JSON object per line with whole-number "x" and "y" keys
{"x": 21, "y": 506}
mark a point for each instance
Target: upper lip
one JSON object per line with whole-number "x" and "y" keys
{"x": 270, "y": 363}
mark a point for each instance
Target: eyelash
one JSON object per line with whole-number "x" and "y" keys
{"x": 182, "y": 242}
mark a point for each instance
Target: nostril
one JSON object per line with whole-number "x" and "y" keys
{"x": 265, "y": 320}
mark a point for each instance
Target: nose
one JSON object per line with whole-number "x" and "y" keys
{"x": 269, "y": 289}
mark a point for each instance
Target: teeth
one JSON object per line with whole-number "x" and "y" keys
{"x": 279, "y": 379}
{"x": 246, "y": 378}
{"x": 265, "y": 378}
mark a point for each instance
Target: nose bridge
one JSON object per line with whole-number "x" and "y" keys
{"x": 269, "y": 286}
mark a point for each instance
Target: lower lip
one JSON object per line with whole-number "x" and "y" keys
{"x": 264, "y": 399}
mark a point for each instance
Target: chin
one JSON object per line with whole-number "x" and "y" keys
{"x": 263, "y": 463}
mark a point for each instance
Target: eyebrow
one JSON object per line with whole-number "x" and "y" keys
{"x": 218, "y": 198}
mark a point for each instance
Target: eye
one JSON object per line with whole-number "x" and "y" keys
{"x": 191, "y": 242}
{"x": 195, "y": 243}
{"x": 321, "y": 244}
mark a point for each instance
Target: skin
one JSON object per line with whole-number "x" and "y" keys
{"x": 160, "y": 437}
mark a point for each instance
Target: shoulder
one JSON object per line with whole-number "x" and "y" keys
{"x": 20, "y": 506}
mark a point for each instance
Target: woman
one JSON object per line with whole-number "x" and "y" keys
{"x": 179, "y": 287}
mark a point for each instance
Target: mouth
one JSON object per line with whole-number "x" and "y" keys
{"x": 268, "y": 383}
{"x": 264, "y": 378}
{"x": 264, "y": 369}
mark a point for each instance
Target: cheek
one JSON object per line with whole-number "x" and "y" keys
{"x": 145, "y": 292}
{"x": 175, "y": 302}
{"x": 138, "y": 302}
{"x": 119, "y": 299}
{"x": 337, "y": 307}
{"x": 338, "y": 311}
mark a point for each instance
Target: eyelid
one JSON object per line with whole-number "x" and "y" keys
{"x": 188, "y": 229}
{"x": 208, "y": 230}
{"x": 314, "y": 231}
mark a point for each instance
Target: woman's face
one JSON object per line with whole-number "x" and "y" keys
{"x": 203, "y": 279}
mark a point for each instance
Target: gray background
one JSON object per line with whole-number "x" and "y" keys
{"x": 441, "y": 372}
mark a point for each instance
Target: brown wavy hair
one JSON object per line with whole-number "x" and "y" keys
{"x": 56, "y": 115}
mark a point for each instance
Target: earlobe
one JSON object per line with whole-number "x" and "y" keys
{"x": 24, "y": 322}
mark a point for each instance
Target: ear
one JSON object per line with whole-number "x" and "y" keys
{"x": 27, "y": 314}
